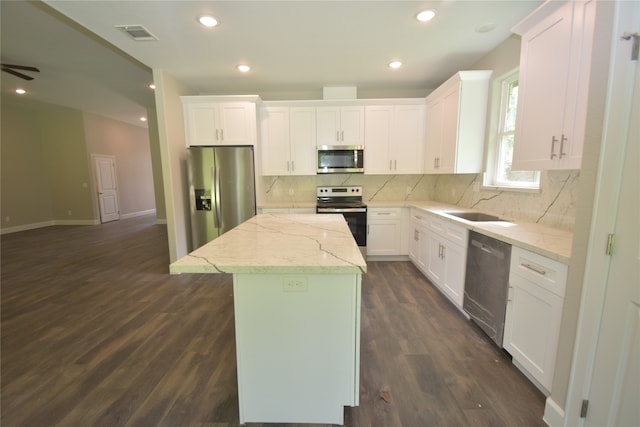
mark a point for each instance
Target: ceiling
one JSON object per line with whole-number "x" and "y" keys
{"x": 295, "y": 48}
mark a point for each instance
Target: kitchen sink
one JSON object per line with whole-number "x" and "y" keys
{"x": 475, "y": 216}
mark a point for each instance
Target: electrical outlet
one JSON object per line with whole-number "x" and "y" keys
{"x": 7, "y": 218}
{"x": 408, "y": 190}
{"x": 291, "y": 192}
{"x": 295, "y": 284}
{"x": 69, "y": 213}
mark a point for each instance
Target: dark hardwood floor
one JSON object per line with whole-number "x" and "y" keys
{"x": 95, "y": 332}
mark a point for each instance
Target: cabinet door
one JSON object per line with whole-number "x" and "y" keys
{"x": 435, "y": 260}
{"x": 237, "y": 123}
{"x": 352, "y": 125}
{"x": 455, "y": 269}
{"x": 414, "y": 242}
{"x": 544, "y": 77}
{"x": 407, "y": 139}
{"x": 328, "y": 125}
{"x": 303, "y": 140}
{"x": 275, "y": 141}
{"x": 201, "y": 124}
{"x": 532, "y": 327}
{"x": 433, "y": 135}
{"x": 448, "y": 148}
{"x": 383, "y": 237}
{"x": 378, "y": 121}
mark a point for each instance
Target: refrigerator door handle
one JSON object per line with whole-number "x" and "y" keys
{"x": 216, "y": 204}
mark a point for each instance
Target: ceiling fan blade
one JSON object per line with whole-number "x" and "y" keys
{"x": 20, "y": 67}
{"x": 17, "y": 74}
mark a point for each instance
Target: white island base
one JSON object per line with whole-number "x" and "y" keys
{"x": 297, "y": 290}
{"x": 297, "y": 342}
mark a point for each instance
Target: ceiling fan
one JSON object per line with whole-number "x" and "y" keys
{"x": 11, "y": 69}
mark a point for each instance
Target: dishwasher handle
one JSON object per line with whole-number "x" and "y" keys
{"x": 488, "y": 249}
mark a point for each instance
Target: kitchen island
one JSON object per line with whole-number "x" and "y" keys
{"x": 297, "y": 292}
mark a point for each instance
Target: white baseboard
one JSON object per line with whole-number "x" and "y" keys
{"x": 76, "y": 222}
{"x": 553, "y": 414}
{"x": 139, "y": 213}
{"x": 33, "y": 226}
{"x": 25, "y": 227}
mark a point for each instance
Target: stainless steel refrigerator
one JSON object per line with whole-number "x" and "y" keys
{"x": 221, "y": 190}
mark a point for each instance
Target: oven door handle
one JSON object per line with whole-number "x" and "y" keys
{"x": 340, "y": 210}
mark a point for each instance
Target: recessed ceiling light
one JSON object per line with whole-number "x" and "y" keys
{"x": 486, "y": 27}
{"x": 395, "y": 64}
{"x": 426, "y": 15}
{"x": 243, "y": 68}
{"x": 208, "y": 21}
{"x": 152, "y": 86}
{"x": 143, "y": 119}
{"x": 21, "y": 91}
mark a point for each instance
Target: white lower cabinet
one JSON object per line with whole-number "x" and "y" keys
{"x": 534, "y": 312}
{"x": 418, "y": 245}
{"x": 439, "y": 249}
{"x": 385, "y": 232}
{"x": 447, "y": 260}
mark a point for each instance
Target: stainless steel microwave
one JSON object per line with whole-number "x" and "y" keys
{"x": 340, "y": 158}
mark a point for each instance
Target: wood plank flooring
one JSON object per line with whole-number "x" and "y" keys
{"x": 95, "y": 332}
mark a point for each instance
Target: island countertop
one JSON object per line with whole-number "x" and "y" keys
{"x": 279, "y": 244}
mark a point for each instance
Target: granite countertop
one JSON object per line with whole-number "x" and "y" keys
{"x": 279, "y": 244}
{"x": 546, "y": 241}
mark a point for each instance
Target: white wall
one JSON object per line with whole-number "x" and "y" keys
{"x": 173, "y": 153}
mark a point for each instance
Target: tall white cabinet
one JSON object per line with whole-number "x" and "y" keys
{"x": 456, "y": 117}
{"x": 288, "y": 140}
{"x": 555, "y": 67}
{"x": 220, "y": 120}
{"x": 394, "y": 139}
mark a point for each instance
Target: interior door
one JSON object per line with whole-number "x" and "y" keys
{"x": 107, "y": 186}
{"x": 615, "y": 388}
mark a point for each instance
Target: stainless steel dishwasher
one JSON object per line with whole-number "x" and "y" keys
{"x": 487, "y": 284}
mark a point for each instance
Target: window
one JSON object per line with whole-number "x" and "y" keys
{"x": 499, "y": 173}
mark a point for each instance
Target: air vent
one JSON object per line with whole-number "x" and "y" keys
{"x": 137, "y": 32}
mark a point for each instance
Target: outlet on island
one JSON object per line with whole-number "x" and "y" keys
{"x": 295, "y": 284}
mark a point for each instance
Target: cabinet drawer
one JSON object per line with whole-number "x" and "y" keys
{"x": 384, "y": 213}
{"x": 420, "y": 216}
{"x": 547, "y": 273}
{"x": 457, "y": 234}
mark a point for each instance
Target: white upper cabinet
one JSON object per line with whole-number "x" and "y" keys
{"x": 456, "y": 117}
{"x": 340, "y": 125}
{"x": 555, "y": 66}
{"x": 288, "y": 144}
{"x": 394, "y": 139}
{"x": 211, "y": 120}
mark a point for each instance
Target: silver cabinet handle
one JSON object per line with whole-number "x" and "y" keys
{"x": 222, "y": 134}
{"x": 553, "y": 146}
{"x": 338, "y": 135}
{"x": 217, "y": 135}
{"x": 293, "y": 166}
{"x": 563, "y": 139}
{"x": 395, "y": 165}
{"x": 532, "y": 268}
{"x": 390, "y": 168}
{"x": 288, "y": 170}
